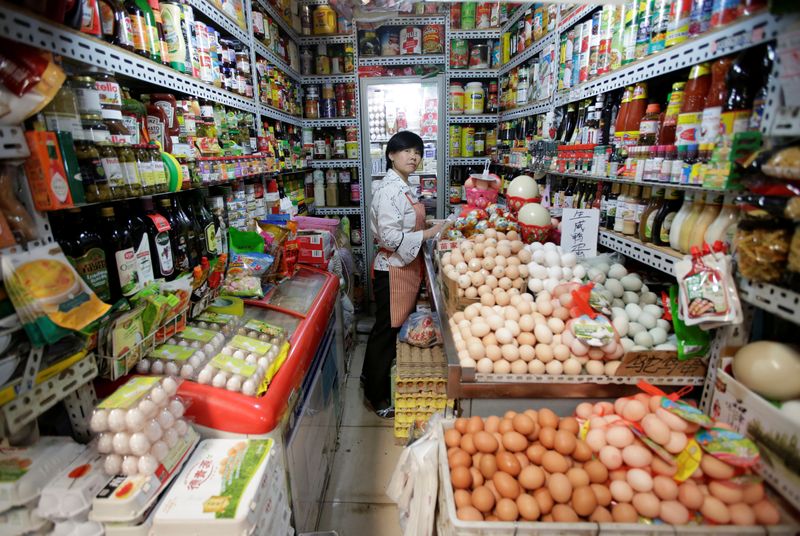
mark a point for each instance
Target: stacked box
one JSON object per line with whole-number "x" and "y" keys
{"x": 420, "y": 387}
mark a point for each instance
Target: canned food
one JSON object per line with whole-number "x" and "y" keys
{"x": 468, "y": 15}
{"x": 456, "y": 99}
{"x": 483, "y": 15}
{"x": 479, "y": 56}
{"x": 433, "y": 39}
{"x": 390, "y": 42}
{"x": 455, "y": 141}
{"x": 410, "y": 41}
{"x": 459, "y": 54}
{"x": 467, "y": 142}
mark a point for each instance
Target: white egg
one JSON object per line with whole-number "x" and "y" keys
{"x": 143, "y": 366}
{"x": 596, "y": 275}
{"x": 630, "y": 297}
{"x": 666, "y": 346}
{"x": 183, "y": 343}
{"x": 181, "y": 427}
{"x": 206, "y": 375}
{"x": 139, "y": 444}
{"x": 554, "y": 272}
{"x": 615, "y": 287}
{"x": 539, "y": 271}
{"x": 639, "y": 348}
{"x": 595, "y": 367}
{"x": 227, "y": 350}
{"x": 170, "y": 437}
{"x": 666, "y": 325}
{"x": 105, "y": 443}
{"x": 538, "y": 256}
{"x": 263, "y": 362}
{"x": 159, "y": 450}
{"x": 239, "y": 354}
{"x": 157, "y": 367}
{"x": 134, "y": 419}
{"x": 165, "y": 419}
{"x": 552, "y": 258}
{"x": 647, "y": 320}
{"x": 153, "y": 431}
{"x": 654, "y": 310}
{"x": 170, "y": 386}
{"x": 550, "y": 246}
{"x": 196, "y": 344}
{"x": 617, "y": 271}
{"x": 634, "y": 328}
{"x": 643, "y": 338}
{"x": 112, "y": 465}
{"x": 554, "y": 367}
{"x": 579, "y": 271}
{"x": 627, "y": 344}
{"x": 171, "y": 368}
{"x": 551, "y": 284}
{"x": 535, "y": 285}
{"x": 611, "y": 367}
{"x": 187, "y": 371}
{"x": 158, "y": 395}
{"x": 99, "y": 421}
{"x": 616, "y": 302}
{"x": 249, "y": 387}
{"x": 177, "y": 408}
{"x": 147, "y": 465}
{"x": 234, "y": 384}
{"x": 148, "y": 408}
{"x": 649, "y": 298}
{"x": 569, "y": 260}
{"x": 208, "y": 348}
{"x": 172, "y": 340}
{"x": 220, "y": 379}
{"x": 620, "y": 323}
{"x": 633, "y": 311}
{"x": 566, "y": 273}
{"x": 202, "y": 325}
{"x": 659, "y": 335}
{"x": 571, "y": 367}
{"x": 116, "y": 420}
{"x": 121, "y": 442}
{"x": 250, "y": 359}
{"x": 631, "y": 282}
{"x": 195, "y": 361}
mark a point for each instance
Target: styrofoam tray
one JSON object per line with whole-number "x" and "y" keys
{"x": 18, "y": 521}
{"x": 125, "y": 499}
{"x": 448, "y": 524}
{"x": 69, "y": 495}
{"x": 29, "y": 469}
{"x": 223, "y": 490}
{"x": 71, "y": 527}
{"x": 139, "y": 527}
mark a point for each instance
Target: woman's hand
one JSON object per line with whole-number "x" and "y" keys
{"x": 432, "y": 231}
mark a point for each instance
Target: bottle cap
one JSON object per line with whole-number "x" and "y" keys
{"x": 653, "y": 108}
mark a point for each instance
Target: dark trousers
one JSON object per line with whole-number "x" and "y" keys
{"x": 381, "y": 349}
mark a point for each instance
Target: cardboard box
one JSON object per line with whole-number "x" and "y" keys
{"x": 315, "y": 247}
{"x": 45, "y": 171}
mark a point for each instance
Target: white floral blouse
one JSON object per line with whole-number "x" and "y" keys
{"x": 392, "y": 218}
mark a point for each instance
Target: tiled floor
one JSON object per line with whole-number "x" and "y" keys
{"x": 355, "y": 501}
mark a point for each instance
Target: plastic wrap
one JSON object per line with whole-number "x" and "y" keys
{"x": 421, "y": 329}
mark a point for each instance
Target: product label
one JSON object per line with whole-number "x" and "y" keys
{"x": 197, "y": 334}
{"x": 729, "y": 446}
{"x": 92, "y": 268}
{"x": 735, "y": 122}
{"x": 593, "y": 332}
{"x": 144, "y": 266}
{"x": 130, "y": 393}
{"x": 173, "y": 352}
{"x": 211, "y": 238}
{"x": 156, "y": 129}
{"x": 132, "y": 126}
{"x": 113, "y": 171}
{"x": 164, "y": 251}
{"x": 130, "y": 173}
{"x": 688, "y": 129}
{"x": 126, "y": 270}
{"x": 110, "y": 98}
{"x": 88, "y": 101}
{"x": 248, "y": 344}
{"x": 648, "y": 127}
{"x": 265, "y": 328}
{"x": 216, "y": 318}
{"x": 711, "y": 125}
{"x": 688, "y": 460}
{"x": 169, "y": 111}
{"x": 233, "y": 365}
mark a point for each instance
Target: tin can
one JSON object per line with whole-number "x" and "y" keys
{"x": 479, "y": 56}
{"x": 505, "y": 48}
{"x": 468, "y": 15}
{"x": 433, "y": 39}
{"x": 483, "y": 15}
{"x": 594, "y": 45}
{"x": 455, "y": 15}
{"x": 459, "y": 54}
{"x": 410, "y": 41}
{"x": 494, "y": 55}
{"x": 390, "y": 42}
{"x": 467, "y": 142}
{"x": 586, "y": 37}
{"x": 456, "y": 99}
{"x": 455, "y": 141}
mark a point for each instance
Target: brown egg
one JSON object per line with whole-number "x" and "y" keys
{"x": 544, "y": 500}
{"x": 717, "y": 469}
{"x": 507, "y": 510}
{"x": 690, "y": 495}
{"x": 602, "y": 493}
{"x": 726, "y": 492}
{"x": 618, "y": 474}
{"x": 452, "y": 437}
{"x": 523, "y": 460}
{"x": 468, "y": 443}
{"x": 665, "y": 488}
{"x": 462, "y": 498}
{"x": 569, "y": 424}
{"x": 547, "y": 437}
{"x": 488, "y": 465}
{"x": 528, "y": 507}
{"x": 461, "y": 425}
{"x": 489, "y": 484}
{"x": 766, "y": 513}
{"x": 564, "y": 514}
{"x": 673, "y": 513}
{"x": 476, "y": 459}
{"x": 459, "y": 458}
{"x": 559, "y": 487}
{"x": 492, "y": 424}
{"x": 753, "y": 493}
{"x": 499, "y": 437}
{"x": 475, "y": 424}
{"x": 661, "y": 467}
{"x": 485, "y": 442}
{"x": 482, "y": 499}
{"x": 506, "y": 485}
{"x": 564, "y": 442}
{"x": 533, "y": 414}
{"x": 523, "y": 424}
{"x": 742, "y": 514}
{"x": 506, "y": 425}
{"x": 548, "y": 419}
{"x": 510, "y": 414}
{"x": 491, "y": 517}
{"x": 469, "y": 513}
{"x": 715, "y": 510}
{"x": 535, "y": 453}
{"x": 601, "y": 515}
{"x": 461, "y": 478}
{"x": 647, "y": 504}
{"x": 477, "y": 477}
{"x": 624, "y": 513}
{"x": 554, "y": 462}
{"x": 508, "y": 463}
{"x": 514, "y": 441}
{"x": 531, "y": 477}
{"x": 584, "y": 501}
{"x": 596, "y": 470}
{"x": 582, "y": 452}
{"x": 578, "y": 477}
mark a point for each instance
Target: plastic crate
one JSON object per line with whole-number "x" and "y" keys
{"x": 447, "y": 524}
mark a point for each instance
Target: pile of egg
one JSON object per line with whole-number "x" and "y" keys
{"x": 492, "y": 266}
{"x": 635, "y": 310}
{"x": 526, "y": 337}
{"x": 136, "y": 440}
{"x": 159, "y": 365}
{"x": 275, "y": 340}
{"x": 533, "y": 466}
{"x": 226, "y": 329}
{"x": 249, "y": 385}
{"x": 549, "y": 267}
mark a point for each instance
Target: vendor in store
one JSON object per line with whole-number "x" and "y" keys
{"x": 397, "y": 220}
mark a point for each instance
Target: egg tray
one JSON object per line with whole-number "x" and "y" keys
{"x": 186, "y": 361}
{"x": 219, "y": 322}
{"x": 242, "y": 365}
{"x": 414, "y": 362}
{"x": 422, "y": 386}
{"x": 419, "y": 404}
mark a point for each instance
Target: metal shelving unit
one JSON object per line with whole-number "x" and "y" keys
{"x": 473, "y": 73}
{"x": 529, "y": 53}
{"x": 478, "y": 161}
{"x": 327, "y": 164}
{"x": 412, "y": 20}
{"x": 279, "y": 115}
{"x": 512, "y": 20}
{"x": 279, "y": 20}
{"x": 329, "y": 78}
{"x": 270, "y": 56}
{"x": 334, "y": 122}
{"x": 673, "y": 185}
{"x": 779, "y": 301}
{"x": 661, "y": 258}
{"x": 222, "y": 19}
{"x": 529, "y": 109}
{"x": 337, "y": 39}
{"x": 337, "y": 211}
{"x": 468, "y": 119}
{"x": 488, "y": 33}
{"x": 417, "y": 59}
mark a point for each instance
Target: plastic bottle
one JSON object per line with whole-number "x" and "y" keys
{"x": 710, "y": 129}
{"x": 679, "y": 219}
{"x": 636, "y": 110}
{"x": 688, "y": 224}
{"x": 694, "y": 97}
{"x": 173, "y": 35}
{"x": 710, "y": 212}
{"x": 738, "y": 106}
{"x": 724, "y": 226}
{"x": 622, "y": 116}
{"x": 622, "y": 209}
{"x": 649, "y": 214}
{"x": 662, "y": 222}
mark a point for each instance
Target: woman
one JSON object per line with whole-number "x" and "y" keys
{"x": 397, "y": 220}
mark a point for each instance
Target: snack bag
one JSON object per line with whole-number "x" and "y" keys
{"x": 421, "y": 329}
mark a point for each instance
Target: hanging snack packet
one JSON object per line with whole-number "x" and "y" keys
{"x": 692, "y": 341}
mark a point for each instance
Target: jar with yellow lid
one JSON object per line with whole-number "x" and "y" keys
{"x": 474, "y": 98}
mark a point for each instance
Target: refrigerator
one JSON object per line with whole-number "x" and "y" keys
{"x": 393, "y": 104}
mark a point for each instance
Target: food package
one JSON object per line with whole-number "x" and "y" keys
{"x": 241, "y": 366}
{"x": 30, "y": 79}
{"x": 421, "y": 329}
{"x": 219, "y": 322}
{"x": 69, "y": 495}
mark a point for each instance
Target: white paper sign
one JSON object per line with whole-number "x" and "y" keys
{"x": 579, "y": 230}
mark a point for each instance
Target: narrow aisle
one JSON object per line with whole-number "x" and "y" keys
{"x": 355, "y": 501}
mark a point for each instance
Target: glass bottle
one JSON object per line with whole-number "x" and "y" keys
{"x": 650, "y": 125}
{"x": 157, "y": 229}
{"x": 612, "y": 203}
{"x": 623, "y": 209}
{"x": 717, "y": 94}
{"x": 178, "y": 235}
{"x": 193, "y": 231}
{"x": 665, "y": 217}
{"x": 95, "y": 181}
{"x": 649, "y": 215}
{"x": 83, "y": 247}
{"x": 208, "y": 225}
{"x": 738, "y": 106}
{"x": 666, "y": 134}
{"x": 123, "y": 279}
{"x": 139, "y": 28}
{"x": 130, "y": 170}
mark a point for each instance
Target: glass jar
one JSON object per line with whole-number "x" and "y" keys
{"x": 130, "y": 170}
{"x": 456, "y": 99}
{"x": 87, "y": 96}
{"x": 312, "y": 102}
{"x": 146, "y": 171}
{"x": 474, "y": 98}
{"x": 95, "y": 183}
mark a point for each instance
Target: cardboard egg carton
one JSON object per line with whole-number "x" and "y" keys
{"x": 413, "y": 362}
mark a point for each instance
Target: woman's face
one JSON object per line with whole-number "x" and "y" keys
{"x": 405, "y": 161}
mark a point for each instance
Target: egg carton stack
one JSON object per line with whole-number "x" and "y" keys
{"x": 220, "y": 322}
{"x": 183, "y": 354}
{"x": 241, "y": 366}
{"x": 139, "y": 426}
{"x": 26, "y": 474}
{"x": 420, "y": 387}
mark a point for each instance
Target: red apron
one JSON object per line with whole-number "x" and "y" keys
{"x": 404, "y": 281}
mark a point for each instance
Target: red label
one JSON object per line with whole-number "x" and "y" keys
{"x": 161, "y": 223}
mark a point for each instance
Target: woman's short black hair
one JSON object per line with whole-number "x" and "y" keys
{"x": 402, "y": 141}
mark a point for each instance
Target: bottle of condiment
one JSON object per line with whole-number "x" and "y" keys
{"x": 344, "y": 187}
{"x": 161, "y": 184}
{"x": 139, "y": 29}
{"x": 174, "y": 35}
{"x": 622, "y": 209}
{"x": 622, "y": 116}
{"x": 141, "y": 246}
{"x": 120, "y": 255}
{"x": 115, "y": 24}
{"x": 152, "y": 30}
{"x": 612, "y": 202}
{"x": 738, "y": 106}
{"x": 650, "y": 125}
{"x": 665, "y": 217}
{"x": 130, "y": 170}
{"x": 649, "y": 215}
{"x": 666, "y": 134}
{"x": 331, "y": 190}
{"x": 319, "y": 188}
{"x": 636, "y": 110}
{"x": 710, "y": 211}
{"x": 716, "y": 97}
{"x": 178, "y": 236}
{"x": 208, "y": 226}
{"x": 157, "y": 125}
{"x": 157, "y": 229}
{"x": 198, "y": 226}
{"x": 83, "y": 247}
{"x": 724, "y": 226}
{"x": 159, "y": 23}
{"x": 685, "y": 231}
{"x": 193, "y": 231}
{"x": 633, "y": 210}
{"x": 694, "y": 97}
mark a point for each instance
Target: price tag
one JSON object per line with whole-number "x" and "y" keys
{"x": 659, "y": 363}
{"x": 579, "y": 231}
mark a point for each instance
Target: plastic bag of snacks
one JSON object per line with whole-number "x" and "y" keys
{"x": 139, "y": 424}
{"x": 421, "y": 329}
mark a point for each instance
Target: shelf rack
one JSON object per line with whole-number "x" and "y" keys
{"x": 268, "y": 111}
{"x": 328, "y": 78}
{"x": 529, "y": 52}
{"x": 535, "y": 108}
{"x": 279, "y": 20}
{"x": 779, "y": 301}
{"x": 478, "y": 161}
{"x": 328, "y": 164}
{"x": 222, "y": 19}
{"x": 473, "y": 73}
{"x": 337, "y": 39}
{"x": 336, "y": 211}
{"x": 488, "y": 33}
{"x": 467, "y": 119}
{"x": 660, "y": 258}
{"x": 333, "y": 122}
{"x": 417, "y": 59}
{"x": 673, "y": 185}
{"x": 273, "y": 58}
